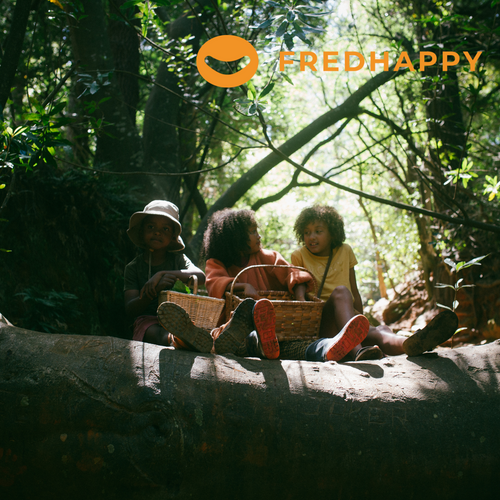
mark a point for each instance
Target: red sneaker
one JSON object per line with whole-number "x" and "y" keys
{"x": 353, "y": 333}
{"x": 336, "y": 348}
{"x": 264, "y": 318}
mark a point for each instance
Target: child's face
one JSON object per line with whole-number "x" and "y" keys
{"x": 253, "y": 240}
{"x": 158, "y": 232}
{"x": 317, "y": 239}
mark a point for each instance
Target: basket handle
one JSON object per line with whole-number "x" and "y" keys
{"x": 194, "y": 279}
{"x": 273, "y": 265}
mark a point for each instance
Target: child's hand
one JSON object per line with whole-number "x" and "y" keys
{"x": 154, "y": 285}
{"x": 149, "y": 289}
{"x": 300, "y": 292}
{"x": 166, "y": 282}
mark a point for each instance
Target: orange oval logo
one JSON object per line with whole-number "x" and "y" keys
{"x": 227, "y": 48}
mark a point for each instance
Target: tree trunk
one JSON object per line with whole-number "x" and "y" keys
{"x": 12, "y": 50}
{"x": 118, "y": 144}
{"x": 104, "y": 418}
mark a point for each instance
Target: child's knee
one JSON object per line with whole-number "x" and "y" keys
{"x": 341, "y": 293}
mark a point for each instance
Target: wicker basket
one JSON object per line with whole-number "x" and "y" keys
{"x": 294, "y": 319}
{"x": 203, "y": 311}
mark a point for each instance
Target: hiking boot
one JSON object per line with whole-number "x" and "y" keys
{"x": 336, "y": 348}
{"x": 232, "y": 335}
{"x": 439, "y": 330}
{"x": 177, "y": 321}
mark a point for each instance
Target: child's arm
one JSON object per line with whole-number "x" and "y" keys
{"x": 137, "y": 302}
{"x": 164, "y": 280}
{"x": 358, "y": 303}
{"x": 247, "y": 289}
{"x": 134, "y": 304}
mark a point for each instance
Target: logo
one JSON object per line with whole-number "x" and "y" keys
{"x": 230, "y": 48}
{"x": 227, "y": 48}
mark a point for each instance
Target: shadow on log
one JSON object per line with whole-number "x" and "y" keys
{"x": 98, "y": 417}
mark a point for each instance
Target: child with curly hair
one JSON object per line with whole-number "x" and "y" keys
{"x": 232, "y": 243}
{"x": 331, "y": 261}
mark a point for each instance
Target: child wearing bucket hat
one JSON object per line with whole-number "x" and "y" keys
{"x": 157, "y": 230}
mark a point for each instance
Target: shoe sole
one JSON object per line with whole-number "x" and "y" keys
{"x": 353, "y": 333}
{"x": 238, "y": 327}
{"x": 176, "y": 320}
{"x": 264, "y": 318}
{"x": 439, "y": 330}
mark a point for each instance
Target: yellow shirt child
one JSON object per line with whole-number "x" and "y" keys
{"x": 338, "y": 273}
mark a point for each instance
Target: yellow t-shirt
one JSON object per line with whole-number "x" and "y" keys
{"x": 338, "y": 274}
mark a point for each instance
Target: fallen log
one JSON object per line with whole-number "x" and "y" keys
{"x": 100, "y": 417}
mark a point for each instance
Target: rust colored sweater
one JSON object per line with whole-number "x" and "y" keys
{"x": 266, "y": 278}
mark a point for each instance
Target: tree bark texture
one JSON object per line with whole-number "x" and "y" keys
{"x": 12, "y": 49}
{"x": 100, "y": 417}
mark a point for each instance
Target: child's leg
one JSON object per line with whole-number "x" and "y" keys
{"x": 439, "y": 330}
{"x": 155, "y": 334}
{"x": 383, "y": 337}
{"x": 337, "y": 311}
{"x": 147, "y": 329}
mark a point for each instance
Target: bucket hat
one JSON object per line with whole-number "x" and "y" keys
{"x": 156, "y": 207}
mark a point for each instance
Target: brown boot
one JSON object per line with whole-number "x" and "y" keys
{"x": 439, "y": 330}
{"x": 230, "y": 338}
{"x": 177, "y": 321}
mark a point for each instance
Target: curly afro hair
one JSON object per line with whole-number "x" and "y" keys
{"x": 227, "y": 235}
{"x": 328, "y": 215}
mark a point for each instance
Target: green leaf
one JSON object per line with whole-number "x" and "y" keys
{"x": 252, "y": 109}
{"x": 290, "y": 16}
{"x": 287, "y": 78}
{"x": 474, "y": 262}
{"x": 57, "y": 108}
{"x": 5, "y": 250}
{"x": 282, "y": 29}
{"x": 2, "y": 186}
{"x": 180, "y": 287}
{"x": 266, "y": 24}
{"x": 252, "y": 93}
{"x": 444, "y": 285}
{"x": 266, "y": 90}
{"x": 455, "y": 304}
{"x": 450, "y": 263}
{"x": 19, "y": 130}
{"x": 459, "y": 266}
{"x": 288, "y": 41}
